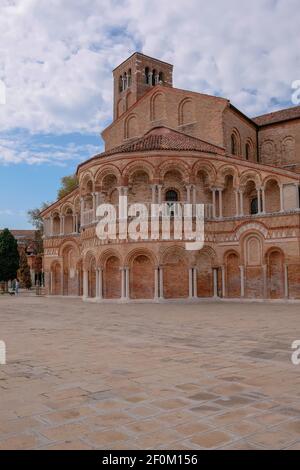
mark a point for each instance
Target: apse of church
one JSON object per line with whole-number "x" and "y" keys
{"x": 167, "y": 145}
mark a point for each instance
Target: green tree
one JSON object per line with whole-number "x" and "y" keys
{"x": 9, "y": 256}
{"x": 68, "y": 184}
{"x": 34, "y": 217}
{"x": 24, "y": 271}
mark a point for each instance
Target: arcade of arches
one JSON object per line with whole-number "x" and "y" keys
{"x": 179, "y": 147}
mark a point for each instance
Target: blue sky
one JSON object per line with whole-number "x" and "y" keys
{"x": 56, "y": 60}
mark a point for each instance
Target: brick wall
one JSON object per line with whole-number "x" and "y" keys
{"x": 142, "y": 278}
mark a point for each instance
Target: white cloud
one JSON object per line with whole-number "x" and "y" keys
{"x": 56, "y": 56}
{"x": 6, "y": 212}
{"x": 14, "y": 150}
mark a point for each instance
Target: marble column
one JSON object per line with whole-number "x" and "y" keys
{"x": 127, "y": 284}
{"x": 237, "y": 203}
{"x": 51, "y": 283}
{"x": 154, "y": 192}
{"x": 220, "y": 203}
{"x": 85, "y": 284}
{"x": 286, "y": 281}
{"x": 215, "y": 280}
{"x": 191, "y": 283}
{"x": 241, "y": 203}
{"x": 242, "y": 270}
{"x": 214, "y": 202}
{"x": 95, "y": 202}
{"x": 123, "y": 287}
{"x": 195, "y": 293}
{"x": 159, "y": 187}
{"x": 263, "y": 197}
{"x": 259, "y": 201}
{"x": 281, "y": 198}
{"x": 156, "y": 283}
{"x": 51, "y": 227}
{"x": 223, "y": 282}
{"x": 161, "y": 283}
{"x": 99, "y": 284}
{"x": 62, "y": 281}
{"x": 62, "y": 225}
{"x": 194, "y": 195}
{"x": 265, "y": 281}
{"x": 81, "y": 211}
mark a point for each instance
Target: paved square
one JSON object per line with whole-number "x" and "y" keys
{"x": 142, "y": 376}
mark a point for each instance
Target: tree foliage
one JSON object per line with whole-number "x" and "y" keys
{"x": 34, "y": 216}
{"x": 9, "y": 256}
{"x": 68, "y": 184}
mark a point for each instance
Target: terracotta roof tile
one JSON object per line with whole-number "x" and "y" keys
{"x": 278, "y": 116}
{"x": 162, "y": 138}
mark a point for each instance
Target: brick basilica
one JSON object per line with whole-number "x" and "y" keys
{"x": 168, "y": 144}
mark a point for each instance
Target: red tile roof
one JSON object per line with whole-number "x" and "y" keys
{"x": 162, "y": 138}
{"x": 278, "y": 116}
{"x": 28, "y": 234}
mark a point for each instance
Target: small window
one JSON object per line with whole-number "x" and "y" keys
{"x": 121, "y": 84}
{"x": 171, "y": 196}
{"x": 233, "y": 145}
{"x": 161, "y": 77}
{"x": 172, "y": 199}
{"x": 254, "y": 206}
{"x": 248, "y": 151}
{"x": 129, "y": 81}
{"x": 147, "y": 76}
{"x": 154, "y": 75}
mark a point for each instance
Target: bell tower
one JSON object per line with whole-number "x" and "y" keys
{"x": 135, "y": 76}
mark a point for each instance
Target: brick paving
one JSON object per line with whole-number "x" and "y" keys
{"x": 142, "y": 376}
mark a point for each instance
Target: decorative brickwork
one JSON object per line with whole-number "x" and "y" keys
{"x": 193, "y": 148}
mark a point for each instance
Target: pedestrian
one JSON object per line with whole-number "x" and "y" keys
{"x": 17, "y": 285}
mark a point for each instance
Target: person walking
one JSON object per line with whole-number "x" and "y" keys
{"x": 17, "y": 285}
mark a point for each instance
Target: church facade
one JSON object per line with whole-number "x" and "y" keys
{"x": 176, "y": 146}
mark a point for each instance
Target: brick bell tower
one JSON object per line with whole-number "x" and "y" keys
{"x": 135, "y": 76}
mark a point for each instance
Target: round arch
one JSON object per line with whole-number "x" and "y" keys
{"x": 142, "y": 263}
{"x": 175, "y": 165}
{"x": 105, "y": 171}
{"x": 232, "y": 274}
{"x": 175, "y": 263}
{"x": 136, "y": 166}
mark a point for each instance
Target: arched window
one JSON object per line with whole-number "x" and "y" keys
{"x": 248, "y": 151}
{"x": 147, "y": 75}
{"x": 125, "y": 81}
{"x": 171, "y": 199}
{"x": 254, "y": 206}
{"x": 154, "y": 74}
{"x": 161, "y": 77}
{"x": 171, "y": 196}
{"x": 129, "y": 81}
{"x": 233, "y": 144}
{"x": 120, "y": 84}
